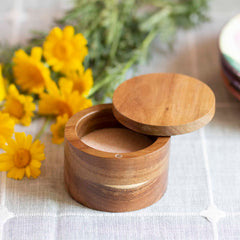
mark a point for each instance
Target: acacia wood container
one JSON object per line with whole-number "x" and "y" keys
{"x": 108, "y": 181}
{"x": 159, "y": 105}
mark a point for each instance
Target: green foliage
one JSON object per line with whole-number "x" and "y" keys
{"x": 120, "y": 33}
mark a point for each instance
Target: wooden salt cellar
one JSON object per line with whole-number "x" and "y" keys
{"x": 159, "y": 105}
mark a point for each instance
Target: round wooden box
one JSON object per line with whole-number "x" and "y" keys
{"x": 159, "y": 105}
{"x": 108, "y": 181}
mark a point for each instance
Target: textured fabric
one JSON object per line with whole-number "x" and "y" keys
{"x": 203, "y": 196}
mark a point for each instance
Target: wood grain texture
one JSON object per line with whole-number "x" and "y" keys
{"x": 163, "y": 104}
{"x": 108, "y": 181}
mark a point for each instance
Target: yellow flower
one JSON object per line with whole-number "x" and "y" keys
{"x": 29, "y": 71}
{"x": 6, "y": 128}
{"x": 82, "y": 80}
{"x": 63, "y": 100}
{"x": 22, "y": 157}
{"x": 57, "y": 129}
{"x": 63, "y": 50}
{"x": 2, "y": 86}
{"x": 20, "y": 107}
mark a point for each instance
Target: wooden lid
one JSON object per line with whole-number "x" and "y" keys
{"x": 163, "y": 104}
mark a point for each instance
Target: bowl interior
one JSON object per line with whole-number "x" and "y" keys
{"x": 99, "y": 120}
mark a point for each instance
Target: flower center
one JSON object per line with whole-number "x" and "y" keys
{"x": 35, "y": 75}
{"x": 15, "y": 108}
{"x": 22, "y": 158}
{"x": 79, "y": 86}
{"x": 61, "y": 131}
{"x": 63, "y": 50}
{"x": 64, "y": 108}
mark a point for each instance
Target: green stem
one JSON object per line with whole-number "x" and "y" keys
{"x": 43, "y": 128}
{"x": 147, "y": 41}
{"x": 98, "y": 85}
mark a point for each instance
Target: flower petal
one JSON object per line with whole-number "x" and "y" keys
{"x": 6, "y": 166}
{"x": 28, "y": 171}
{"x": 19, "y": 54}
{"x": 38, "y": 156}
{"x": 11, "y": 147}
{"x": 36, "y": 53}
{"x": 53, "y": 89}
{"x": 16, "y": 173}
{"x": 65, "y": 86}
{"x": 68, "y": 32}
{"x": 5, "y": 157}
{"x": 56, "y": 32}
{"x": 28, "y": 142}
{"x": 36, "y": 147}
{"x": 20, "y": 139}
{"x": 35, "y": 172}
{"x": 35, "y": 163}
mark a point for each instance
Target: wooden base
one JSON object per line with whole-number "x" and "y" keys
{"x": 110, "y": 181}
{"x": 115, "y": 199}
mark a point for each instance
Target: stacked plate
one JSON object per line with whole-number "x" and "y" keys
{"x": 229, "y": 46}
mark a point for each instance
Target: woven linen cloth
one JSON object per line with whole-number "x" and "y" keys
{"x": 202, "y": 200}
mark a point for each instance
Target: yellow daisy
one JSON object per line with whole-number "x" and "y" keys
{"x": 22, "y": 157}
{"x": 57, "y": 129}
{"x": 63, "y": 50}
{"x": 82, "y": 80}
{"x": 2, "y": 85}
{"x": 29, "y": 71}
{"x": 20, "y": 107}
{"x": 63, "y": 100}
{"x": 6, "y": 128}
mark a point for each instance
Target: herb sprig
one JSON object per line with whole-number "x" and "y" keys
{"x": 120, "y": 34}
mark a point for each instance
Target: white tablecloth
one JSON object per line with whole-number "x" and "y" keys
{"x": 203, "y": 196}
